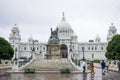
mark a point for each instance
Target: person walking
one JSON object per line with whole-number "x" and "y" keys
{"x": 92, "y": 68}
{"x": 84, "y": 64}
{"x": 118, "y": 64}
{"x": 107, "y": 65}
{"x": 103, "y": 67}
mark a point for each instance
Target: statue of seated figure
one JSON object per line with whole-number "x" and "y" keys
{"x": 53, "y": 37}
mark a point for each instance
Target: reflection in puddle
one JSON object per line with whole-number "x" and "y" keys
{"x": 47, "y": 76}
{"x": 23, "y": 76}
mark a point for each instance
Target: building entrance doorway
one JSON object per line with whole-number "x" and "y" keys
{"x": 64, "y": 51}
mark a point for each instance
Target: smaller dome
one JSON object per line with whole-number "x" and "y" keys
{"x": 15, "y": 28}
{"x": 97, "y": 39}
{"x": 112, "y": 26}
{"x": 30, "y": 39}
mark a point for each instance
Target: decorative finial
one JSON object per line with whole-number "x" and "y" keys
{"x": 15, "y": 24}
{"x": 111, "y": 23}
{"x": 63, "y": 18}
{"x": 51, "y": 30}
{"x": 57, "y": 29}
{"x": 97, "y": 35}
{"x": 63, "y": 14}
{"x": 30, "y": 35}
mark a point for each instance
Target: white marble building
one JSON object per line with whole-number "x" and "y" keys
{"x": 94, "y": 49}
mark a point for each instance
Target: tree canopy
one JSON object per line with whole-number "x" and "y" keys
{"x": 113, "y": 48}
{"x": 6, "y": 51}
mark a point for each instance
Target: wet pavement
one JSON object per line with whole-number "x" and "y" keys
{"x": 110, "y": 75}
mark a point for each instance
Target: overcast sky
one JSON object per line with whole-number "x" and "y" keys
{"x": 88, "y": 18}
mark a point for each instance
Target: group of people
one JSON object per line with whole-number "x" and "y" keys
{"x": 104, "y": 66}
{"x": 91, "y": 67}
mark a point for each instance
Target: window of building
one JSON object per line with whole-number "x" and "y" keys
{"x": 73, "y": 47}
{"x": 101, "y": 48}
{"x": 6, "y": 62}
{"x": 13, "y": 46}
{"x": 43, "y": 48}
{"x": 24, "y": 48}
{"x": 95, "y": 48}
{"x": 14, "y": 33}
{"x": 12, "y": 63}
{"x": 113, "y": 32}
{"x": 37, "y": 48}
{"x": 92, "y": 56}
{"x": 92, "y": 48}
{"x": 15, "y": 63}
{"x": 88, "y": 48}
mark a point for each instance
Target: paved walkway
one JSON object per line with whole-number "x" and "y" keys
{"x": 4, "y": 67}
{"x": 97, "y": 65}
{"x": 110, "y": 75}
{"x": 111, "y": 67}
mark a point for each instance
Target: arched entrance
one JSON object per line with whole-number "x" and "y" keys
{"x": 64, "y": 51}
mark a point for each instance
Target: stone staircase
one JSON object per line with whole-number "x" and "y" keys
{"x": 50, "y": 64}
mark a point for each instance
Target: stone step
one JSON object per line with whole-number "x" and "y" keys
{"x": 51, "y": 64}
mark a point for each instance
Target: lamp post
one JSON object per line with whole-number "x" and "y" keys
{"x": 15, "y": 59}
{"x": 83, "y": 53}
{"x": 15, "y": 63}
{"x": 40, "y": 49}
{"x": 41, "y": 55}
{"x": 71, "y": 49}
{"x": 33, "y": 49}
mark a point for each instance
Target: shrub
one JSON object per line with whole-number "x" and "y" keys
{"x": 88, "y": 62}
{"x": 29, "y": 70}
{"x": 65, "y": 70}
{"x": 96, "y": 61}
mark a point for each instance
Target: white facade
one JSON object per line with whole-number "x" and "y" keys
{"x": 94, "y": 49}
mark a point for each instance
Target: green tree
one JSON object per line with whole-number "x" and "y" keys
{"x": 113, "y": 48}
{"x": 6, "y": 51}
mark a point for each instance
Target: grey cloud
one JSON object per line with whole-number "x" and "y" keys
{"x": 41, "y": 15}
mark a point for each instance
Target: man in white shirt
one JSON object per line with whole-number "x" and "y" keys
{"x": 84, "y": 66}
{"x": 107, "y": 65}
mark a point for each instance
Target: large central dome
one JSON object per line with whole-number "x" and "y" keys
{"x": 64, "y": 26}
{"x": 65, "y": 32}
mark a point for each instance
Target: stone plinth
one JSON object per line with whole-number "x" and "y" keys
{"x": 53, "y": 51}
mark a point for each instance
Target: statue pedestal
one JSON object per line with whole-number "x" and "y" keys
{"x": 53, "y": 51}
